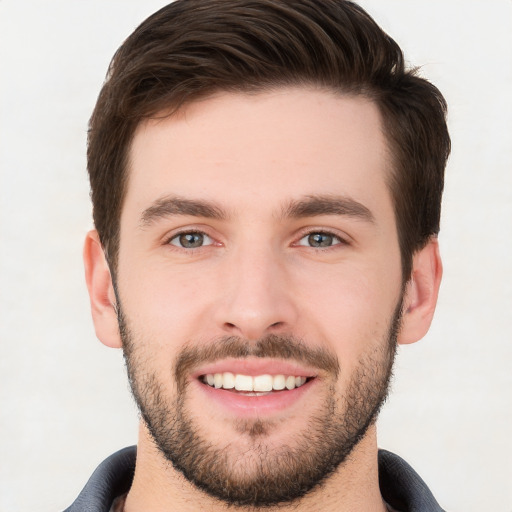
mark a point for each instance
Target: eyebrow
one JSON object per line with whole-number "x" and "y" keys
{"x": 310, "y": 206}
{"x": 316, "y": 205}
{"x": 172, "y": 205}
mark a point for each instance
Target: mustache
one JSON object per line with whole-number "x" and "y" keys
{"x": 271, "y": 346}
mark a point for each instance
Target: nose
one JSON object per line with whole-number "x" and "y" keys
{"x": 257, "y": 296}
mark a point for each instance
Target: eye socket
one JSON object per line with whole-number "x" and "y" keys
{"x": 190, "y": 240}
{"x": 320, "y": 240}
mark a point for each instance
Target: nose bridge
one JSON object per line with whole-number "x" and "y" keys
{"x": 257, "y": 299}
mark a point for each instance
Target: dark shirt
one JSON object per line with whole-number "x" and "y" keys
{"x": 400, "y": 485}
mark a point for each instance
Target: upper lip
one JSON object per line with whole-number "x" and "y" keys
{"x": 256, "y": 366}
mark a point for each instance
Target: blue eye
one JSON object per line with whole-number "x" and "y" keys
{"x": 191, "y": 240}
{"x": 319, "y": 240}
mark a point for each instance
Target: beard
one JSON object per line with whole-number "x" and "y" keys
{"x": 261, "y": 474}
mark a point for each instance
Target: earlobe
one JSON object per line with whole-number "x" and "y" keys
{"x": 421, "y": 293}
{"x": 101, "y": 292}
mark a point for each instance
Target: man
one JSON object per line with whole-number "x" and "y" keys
{"x": 266, "y": 180}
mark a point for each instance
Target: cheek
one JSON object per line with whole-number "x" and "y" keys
{"x": 167, "y": 304}
{"x": 347, "y": 307}
{"x": 351, "y": 312}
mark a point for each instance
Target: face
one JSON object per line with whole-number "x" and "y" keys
{"x": 259, "y": 287}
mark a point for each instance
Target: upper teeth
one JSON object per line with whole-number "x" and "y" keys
{"x": 228, "y": 380}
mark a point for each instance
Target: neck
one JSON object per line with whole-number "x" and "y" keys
{"x": 157, "y": 486}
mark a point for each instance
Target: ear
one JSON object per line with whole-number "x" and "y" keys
{"x": 101, "y": 292}
{"x": 421, "y": 293}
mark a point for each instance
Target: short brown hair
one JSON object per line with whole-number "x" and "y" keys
{"x": 193, "y": 48}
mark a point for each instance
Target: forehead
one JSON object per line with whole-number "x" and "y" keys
{"x": 263, "y": 148}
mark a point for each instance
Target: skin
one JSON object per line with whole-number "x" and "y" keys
{"x": 251, "y": 156}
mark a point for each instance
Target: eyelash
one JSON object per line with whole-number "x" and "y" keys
{"x": 303, "y": 235}
{"x": 323, "y": 232}
{"x": 189, "y": 232}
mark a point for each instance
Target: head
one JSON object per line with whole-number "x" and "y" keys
{"x": 190, "y": 50}
{"x": 266, "y": 181}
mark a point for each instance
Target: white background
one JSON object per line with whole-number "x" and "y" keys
{"x": 64, "y": 401}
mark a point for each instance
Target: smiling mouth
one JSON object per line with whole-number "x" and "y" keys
{"x": 253, "y": 385}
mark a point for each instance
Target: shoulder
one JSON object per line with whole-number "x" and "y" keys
{"x": 402, "y": 487}
{"x": 111, "y": 479}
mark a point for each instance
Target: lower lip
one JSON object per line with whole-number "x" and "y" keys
{"x": 244, "y": 405}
